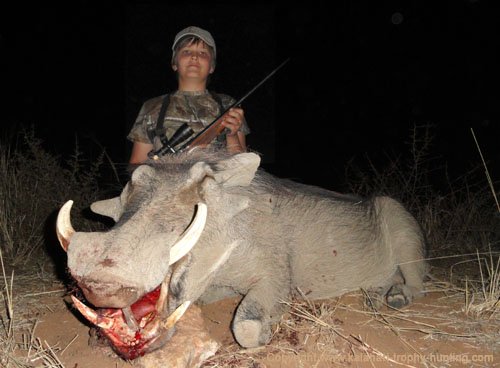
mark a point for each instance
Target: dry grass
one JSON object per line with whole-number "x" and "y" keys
{"x": 19, "y": 347}
{"x": 484, "y": 301}
{"x": 482, "y": 298}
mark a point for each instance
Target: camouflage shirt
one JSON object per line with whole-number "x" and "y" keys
{"x": 197, "y": 109}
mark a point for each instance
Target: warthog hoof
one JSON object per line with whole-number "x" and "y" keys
{"x": 251, "y": 333}
{"x": 399, "y": 296}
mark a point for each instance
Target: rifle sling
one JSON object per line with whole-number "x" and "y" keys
{"x": 160, "y": 129}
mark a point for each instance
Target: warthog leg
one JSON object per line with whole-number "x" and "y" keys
{"x": 257, "y": 311}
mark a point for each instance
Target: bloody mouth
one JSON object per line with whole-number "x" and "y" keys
{"x": 138, "y": 329}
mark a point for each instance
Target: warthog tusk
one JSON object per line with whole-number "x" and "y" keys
{"x": 102, "y": 322}
{"x": 151, "y": 330}
{"x": 130, "y": 319}
{"x": 64, "y": 229}
{"x": 178, "y": 313}
{"x": 189, "y": 238}
{"x": 160, "y": 303}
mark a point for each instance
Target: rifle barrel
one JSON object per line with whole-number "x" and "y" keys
{"x": 260, "y": 83}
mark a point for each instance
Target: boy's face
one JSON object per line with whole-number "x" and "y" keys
{"x": 194, "y": 61}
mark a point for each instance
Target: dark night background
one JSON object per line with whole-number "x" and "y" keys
{"x": 361, "y": 75}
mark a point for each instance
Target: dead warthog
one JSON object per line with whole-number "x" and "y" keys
{"x": 202, "y": 226}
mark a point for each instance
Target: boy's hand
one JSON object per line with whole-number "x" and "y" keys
{"x": 233, "y": 120}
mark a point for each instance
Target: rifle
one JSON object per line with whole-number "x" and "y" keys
{"x": 208, "y": 133}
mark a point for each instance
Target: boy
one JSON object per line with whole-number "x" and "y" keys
{"x": 193, "y": 59}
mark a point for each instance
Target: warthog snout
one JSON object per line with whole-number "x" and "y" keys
{"x": 104, "y": 295}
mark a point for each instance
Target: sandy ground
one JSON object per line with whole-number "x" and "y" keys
{"x": 432, "y": 332}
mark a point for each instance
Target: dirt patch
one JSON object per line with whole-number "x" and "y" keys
{"x": 434, "y": 332}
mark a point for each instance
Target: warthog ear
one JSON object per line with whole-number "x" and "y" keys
{"x": 198, "y": 171}
{"x": 111, "y": 207}
{"x": 238, "y": 170}
{"x": 108, "y": 207}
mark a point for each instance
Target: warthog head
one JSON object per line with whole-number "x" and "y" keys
{"x": 160, "y": 215}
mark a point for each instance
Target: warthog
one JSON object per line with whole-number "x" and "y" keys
{"x": 202, "y": 226}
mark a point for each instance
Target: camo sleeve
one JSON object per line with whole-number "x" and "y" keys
{"x": 145, "y": 121}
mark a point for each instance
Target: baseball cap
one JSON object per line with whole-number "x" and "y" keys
{"x": 203, "y": 35}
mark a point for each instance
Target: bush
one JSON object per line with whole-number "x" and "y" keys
{"x": 33, "y": 185}
{"x": 459, "y": 217}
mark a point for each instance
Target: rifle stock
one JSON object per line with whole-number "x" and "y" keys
{"x": 209, "y": 134}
